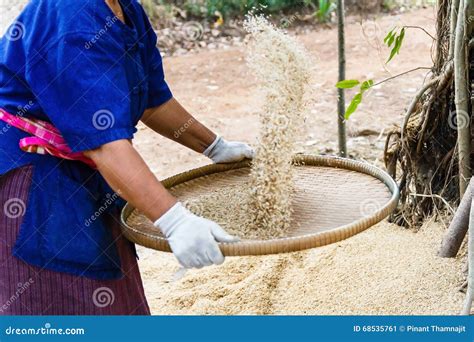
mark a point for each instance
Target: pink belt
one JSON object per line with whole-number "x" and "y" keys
{"x": 45, "y": 138}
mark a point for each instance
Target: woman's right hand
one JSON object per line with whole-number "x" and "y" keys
{"x": 193, "y": 239}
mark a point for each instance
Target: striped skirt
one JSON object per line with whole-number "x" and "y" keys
{"x": 29, "y": 290}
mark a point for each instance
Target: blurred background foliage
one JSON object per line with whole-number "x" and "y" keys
{"x": 227, "y": 8}
{"x": 237, "y": 8}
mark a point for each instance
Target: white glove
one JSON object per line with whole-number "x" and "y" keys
{"x": 193, "y": 239}
{"x": 222, "y": 151}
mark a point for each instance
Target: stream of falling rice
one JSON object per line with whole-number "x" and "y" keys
{"x": 262, "y": 208}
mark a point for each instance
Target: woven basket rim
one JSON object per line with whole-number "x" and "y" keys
{"x": 284, "y": 244}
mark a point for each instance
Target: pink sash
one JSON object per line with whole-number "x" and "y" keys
{"x": 45, "y": 138}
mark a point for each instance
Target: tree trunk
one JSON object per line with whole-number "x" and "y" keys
{"x": 341, "y": 102}
{"x": 461, "y": 98}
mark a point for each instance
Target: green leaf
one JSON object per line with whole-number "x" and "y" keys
{"x": 366, "y": 85}
{"x": 400, "y": 41}
{"x": 395, "y": 49}
{"x": 325, "y": 9}
{"x": 391, "y": 40}
{"x": 398, "y": 44}
{"x": 324, "y": 5}
{"x": 347, "y": 84}
{"x": 389, "y": 35}
{"x": 356, "y": 100}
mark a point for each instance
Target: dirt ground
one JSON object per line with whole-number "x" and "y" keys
{"x": 385, "y": 270}
{"x": 217, "y": 87}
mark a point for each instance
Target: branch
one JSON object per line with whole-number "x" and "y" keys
{"x": 436, "y": 80}
{"x": 435, "y": 196}
{"x": 401, "y": 74}
{"x": 452, "y": 28}
{"x": 421, "y": 28}
{"x": 411, "y": 107}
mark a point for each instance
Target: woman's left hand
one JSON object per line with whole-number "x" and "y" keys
{"x": 222, "y": 151}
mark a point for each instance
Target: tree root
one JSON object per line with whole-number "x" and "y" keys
{"x": 406, "y": 146}
{"x": 458, "y": 228}
{"x": 414, "y": 102}
{"x": 467, "y": 303}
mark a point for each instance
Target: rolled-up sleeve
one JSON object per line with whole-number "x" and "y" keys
{"x": 81, "y": 85}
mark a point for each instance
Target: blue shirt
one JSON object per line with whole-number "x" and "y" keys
{"x": 76, "y": 65}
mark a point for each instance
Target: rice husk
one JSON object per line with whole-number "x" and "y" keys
{"x": 365, "y": 275}
{"x": 262, "y": 208}
{"x": 282, "y": 65}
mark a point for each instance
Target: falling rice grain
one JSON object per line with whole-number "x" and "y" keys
{"x": 261, "y": 209}
{"x": 282, "y": 65}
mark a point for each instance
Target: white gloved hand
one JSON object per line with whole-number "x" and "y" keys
{"x": 222, "y": 151}
{"x": 193, "y": 239}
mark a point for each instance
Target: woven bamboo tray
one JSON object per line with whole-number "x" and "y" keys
{"x": 335, "y": 199}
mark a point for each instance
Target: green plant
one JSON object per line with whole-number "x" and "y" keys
{"x": 390, "y": 5}
{"x": 230, "y": 8}
{"x": 325, "y": 10}
{"x": 158, "y": 8}
{"x": 150, "y": 7}
{"x": 393, "y": 39}
{"x": 357, "y": 99}
{"x": 396, "y": 39}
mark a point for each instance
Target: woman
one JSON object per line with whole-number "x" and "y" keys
{"x": 75, "y": 79}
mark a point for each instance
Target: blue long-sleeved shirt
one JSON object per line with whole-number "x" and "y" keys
{"x": 76, "y": 65}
